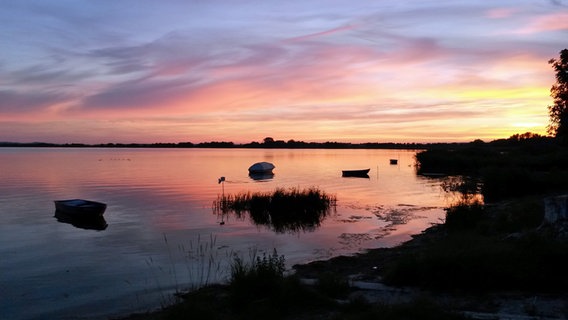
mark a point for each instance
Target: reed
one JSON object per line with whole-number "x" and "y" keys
{"x": 204, "y": 262}
{"x": 283, "y": 209}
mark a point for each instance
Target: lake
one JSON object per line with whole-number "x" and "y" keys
{"x": 162, "y": 234}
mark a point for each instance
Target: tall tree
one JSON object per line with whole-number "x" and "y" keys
{"x": 559, "y": 92}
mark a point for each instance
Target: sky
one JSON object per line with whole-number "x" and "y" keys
{"x": 142, "y": 71}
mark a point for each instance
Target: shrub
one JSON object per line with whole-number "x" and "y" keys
{"x": 260, "y": 278}
{"x": 464, "y": 215}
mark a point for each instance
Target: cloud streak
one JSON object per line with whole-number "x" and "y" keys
{"x": 370, "y": 72}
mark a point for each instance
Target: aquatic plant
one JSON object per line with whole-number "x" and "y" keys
{"x": 283, "y": 210}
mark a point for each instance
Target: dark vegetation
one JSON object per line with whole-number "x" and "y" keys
{"x": 260, "y": 290}
{"x": 521, "y": 165}
{"x": 500, "y": 243}
{"x": 558, "y": 111}
{"x": 283, "y": 210}
{"x": 486, "y": 249}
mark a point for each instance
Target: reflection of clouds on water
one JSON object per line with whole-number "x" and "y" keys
{"x": 357, "y": 206}
{"x": 400, "y": 214}
{"x": 354, "y": 218}
{"x": 353, "y": 238}
{"x": 356, "y": 240}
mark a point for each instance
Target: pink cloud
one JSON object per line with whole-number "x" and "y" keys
{"x": 546, "y": 23}
{"x": 500, "y": 13}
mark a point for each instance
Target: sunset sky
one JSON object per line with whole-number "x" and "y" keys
{"x": 240, "y": 70}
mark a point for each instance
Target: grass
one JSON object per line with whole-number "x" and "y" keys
{"x": 283, "y": 210}
{"x": 258, "y": 289}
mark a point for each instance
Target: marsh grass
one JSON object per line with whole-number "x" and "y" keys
{"x": 259, "y": 288}
{"x": 257, "y": 279}
{"x": 203, "y": 261}
{"x": 283, "y": 210}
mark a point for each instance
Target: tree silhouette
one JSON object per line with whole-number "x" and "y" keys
{"x": 559, "y": 92}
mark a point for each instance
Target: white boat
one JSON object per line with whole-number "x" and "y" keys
{"x": 261, "y": 167}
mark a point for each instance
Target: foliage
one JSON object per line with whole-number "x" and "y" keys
{"x": 558, "y": 112}
{"x": 261, "y": 277}
{"x": 259, "y": 289}
{"x": 464, "y": 215}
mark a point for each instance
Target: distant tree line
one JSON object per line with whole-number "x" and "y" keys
{"x": 270, "y": 143}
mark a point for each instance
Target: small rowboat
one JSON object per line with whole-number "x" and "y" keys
{"x": 393, "y": 161}
{"x": 356, "y": 173}
{"x": 80, "y": 208}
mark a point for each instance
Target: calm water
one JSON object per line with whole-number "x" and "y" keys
{"x": 162, "y": 233}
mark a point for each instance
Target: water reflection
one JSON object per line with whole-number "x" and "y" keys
{"x": 91, "y": 223}
{"x": 364, "y": 176}
{"x": 261, "y": 176}
{"x": 169, "y": 192}
{"x": 280, "y": 222}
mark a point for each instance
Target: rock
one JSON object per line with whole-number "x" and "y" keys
{"x": 555, "y": 209}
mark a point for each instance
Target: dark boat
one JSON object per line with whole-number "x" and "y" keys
{"x": 79, "y": 208}
{"x": 362, "y": 173}
{"x": 393, "y": 161}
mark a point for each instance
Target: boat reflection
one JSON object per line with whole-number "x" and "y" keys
{"x": 91, "y": 223}
{"x": 365, "y": 176}
{"x": 261, "y": 176}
